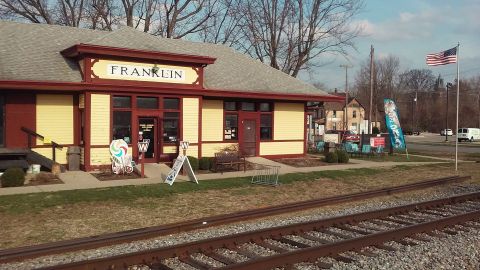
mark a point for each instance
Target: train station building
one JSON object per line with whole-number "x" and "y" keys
{"x": 80, "y": 87}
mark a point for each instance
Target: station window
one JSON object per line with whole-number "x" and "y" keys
{"x": 265, "y": 126}
{"x": 265, "y": 107}
{"x": 230, "y": 106}
{"x": 122, "y": 102}
{"x": 122, "y": 125}
{"x": 231, "y": 127}
{"x": 248, "y": 106}
{"x": 171, "y": 103}
{"x": 171, "y": 127}
{"x": 147, "y": 102}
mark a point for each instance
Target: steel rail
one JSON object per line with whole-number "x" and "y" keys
{"x": 22, "y": 253}
{"x": 184, "y": 250}
{"x": 355, "y": 244}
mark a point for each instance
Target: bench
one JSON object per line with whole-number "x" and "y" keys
{"x": 230, "y": 159}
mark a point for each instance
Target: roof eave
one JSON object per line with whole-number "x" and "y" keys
{"x": 85, "y": 49}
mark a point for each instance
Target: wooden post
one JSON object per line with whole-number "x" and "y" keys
{"x": 142, "y": 165}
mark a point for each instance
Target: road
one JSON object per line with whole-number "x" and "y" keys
{"x": 435, "y": 143}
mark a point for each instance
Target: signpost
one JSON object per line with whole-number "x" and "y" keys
{"x": 142, "y": 148}
{"x": 181, "y": 161}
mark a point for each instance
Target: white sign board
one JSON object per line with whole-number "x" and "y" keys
{"x": 143, "y": 146}
{"x": 181, "y": 161}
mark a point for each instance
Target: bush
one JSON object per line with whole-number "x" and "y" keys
{"x": 193, "y": 162}
{"x": 204, "y": 163}
{"x": 331, "y": 157}
{"x": 342, "y": 156}
{"x": 375, "y": 130}
{"x": 13, "y": 177}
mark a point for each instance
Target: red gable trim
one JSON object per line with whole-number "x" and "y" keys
{"x": 82, "y": 49}
{"x": 184, "y": 90}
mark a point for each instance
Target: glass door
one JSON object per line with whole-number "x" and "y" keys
{"x": 148, "y": 127}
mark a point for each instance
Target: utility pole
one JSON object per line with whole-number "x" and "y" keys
{"x": 449, "y": 85}
{"x": 371, "y": 92}
{"x": 345, "y": 112}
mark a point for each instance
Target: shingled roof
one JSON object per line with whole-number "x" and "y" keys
{"x": 32, "y": 52}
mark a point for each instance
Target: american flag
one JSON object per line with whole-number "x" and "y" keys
{"x": 442, "y": 58}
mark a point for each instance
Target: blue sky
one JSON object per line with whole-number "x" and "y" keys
{"x": 410, "y": 29}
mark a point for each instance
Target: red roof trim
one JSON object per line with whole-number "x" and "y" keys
{"x": 82, "y": 49}
{"x": 82, "y": 86}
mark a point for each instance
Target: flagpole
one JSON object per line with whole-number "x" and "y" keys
{"x": 458, "y": 102}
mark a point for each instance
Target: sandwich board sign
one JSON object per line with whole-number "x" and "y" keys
{"x": 181, "y": 161}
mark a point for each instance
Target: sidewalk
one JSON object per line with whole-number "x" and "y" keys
{"x": 75, "y": 180}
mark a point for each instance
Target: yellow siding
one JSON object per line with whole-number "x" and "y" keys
{"x": 289, "y": 121}
{"x": 190, "y": 119}
{"x": 169, "y": 149}
{"x": 100, "y": 120}
{"x": 209, "y": 149}
{"x": 100, "y": 156}
{"x": 60, "y": 155}
{"x": 212, "y": 121}
{"x": 192, "y": 151}
{"x": 281, "y": 148}
{"x": 55, "y": 118}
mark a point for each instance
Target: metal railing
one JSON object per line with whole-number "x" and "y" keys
{"x": 32, "y": 134}
{"x": 266, "y": 175}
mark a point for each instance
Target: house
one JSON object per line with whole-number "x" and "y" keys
{"x": 62, "y": 87}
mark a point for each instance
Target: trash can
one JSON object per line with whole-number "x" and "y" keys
{"x": 329, "y": 147}
{"x": 73, "y": 158}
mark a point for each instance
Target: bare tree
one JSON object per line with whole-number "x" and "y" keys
{"x": 101, "y": 14}
{"x": 290, "y": 35}
{"x": 36, "y": 11}
{"x": 224, "y": 26}
{"x": 70, "y": 12}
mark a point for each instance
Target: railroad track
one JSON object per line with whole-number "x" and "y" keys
{"x": 310, "y": 241}
{"x": 23, "y": 253}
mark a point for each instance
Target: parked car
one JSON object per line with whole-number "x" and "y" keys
{"x": 410, "y": 132}
{"x": 468, "y": 134}
{"x": 447, "y": 131}
{"x": 345, "y": 135}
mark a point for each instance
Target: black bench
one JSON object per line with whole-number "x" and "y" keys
{"x": 228, "y": 159}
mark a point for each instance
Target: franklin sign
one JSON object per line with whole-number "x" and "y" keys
{"x": 138, "y": 72}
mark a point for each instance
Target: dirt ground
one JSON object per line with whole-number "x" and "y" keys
{"x": 86, "y": 219}
{"x": 303, "y": 162}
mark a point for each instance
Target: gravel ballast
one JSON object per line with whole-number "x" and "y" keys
{"x": 461, "y": 251}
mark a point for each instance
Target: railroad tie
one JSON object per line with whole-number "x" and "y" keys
{"x": 406, "y": 242}
{"x": 195, "y": 263}
{"x": 448, "y": 231}
{"x": 292, "y": 243}
{"x": 246, "y": 253}
{"x": 315, "y": 239}
{"x": 271, "y": 247}
{"x": 221, "y": 258}
{"x": 343, "y": 259}
{"x": 396, "y": 220}
{"x": 323, "y": 265}
{"x": 159, "y": 266}
{"x": 351, "y": 229}
{"x": 340, "y": 235}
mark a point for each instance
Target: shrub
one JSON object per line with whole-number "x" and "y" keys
{"x": 375, "y": 130}
{"x": 331, "y": 157}
{"x": 204, "y": 163}
{"x": 342, "y": 156}
{"x": 193, "y": 162}
{"x": 13, "y": 177}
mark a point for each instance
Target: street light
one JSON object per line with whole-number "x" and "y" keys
{"x": 449, "y": 85}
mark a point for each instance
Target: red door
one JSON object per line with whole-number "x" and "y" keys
{"x": 148, "y": 127}
{"x": 248, "y": 143}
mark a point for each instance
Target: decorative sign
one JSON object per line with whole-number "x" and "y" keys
{"x": 143, "y": 145}
{"x": 121, "y": 161}
{"x": 184, "y": 145}
{"x": 132, "y": 71}
{"x": 392, "y": 119}
{"x": 181, "y": 161}
{"x": 377, "y": 141}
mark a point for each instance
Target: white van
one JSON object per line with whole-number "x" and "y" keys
{"x": 468, "y": 134}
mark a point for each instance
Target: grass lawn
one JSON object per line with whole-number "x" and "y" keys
{"x": 397, "y": 158}
{"x": 44, "y": 217}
